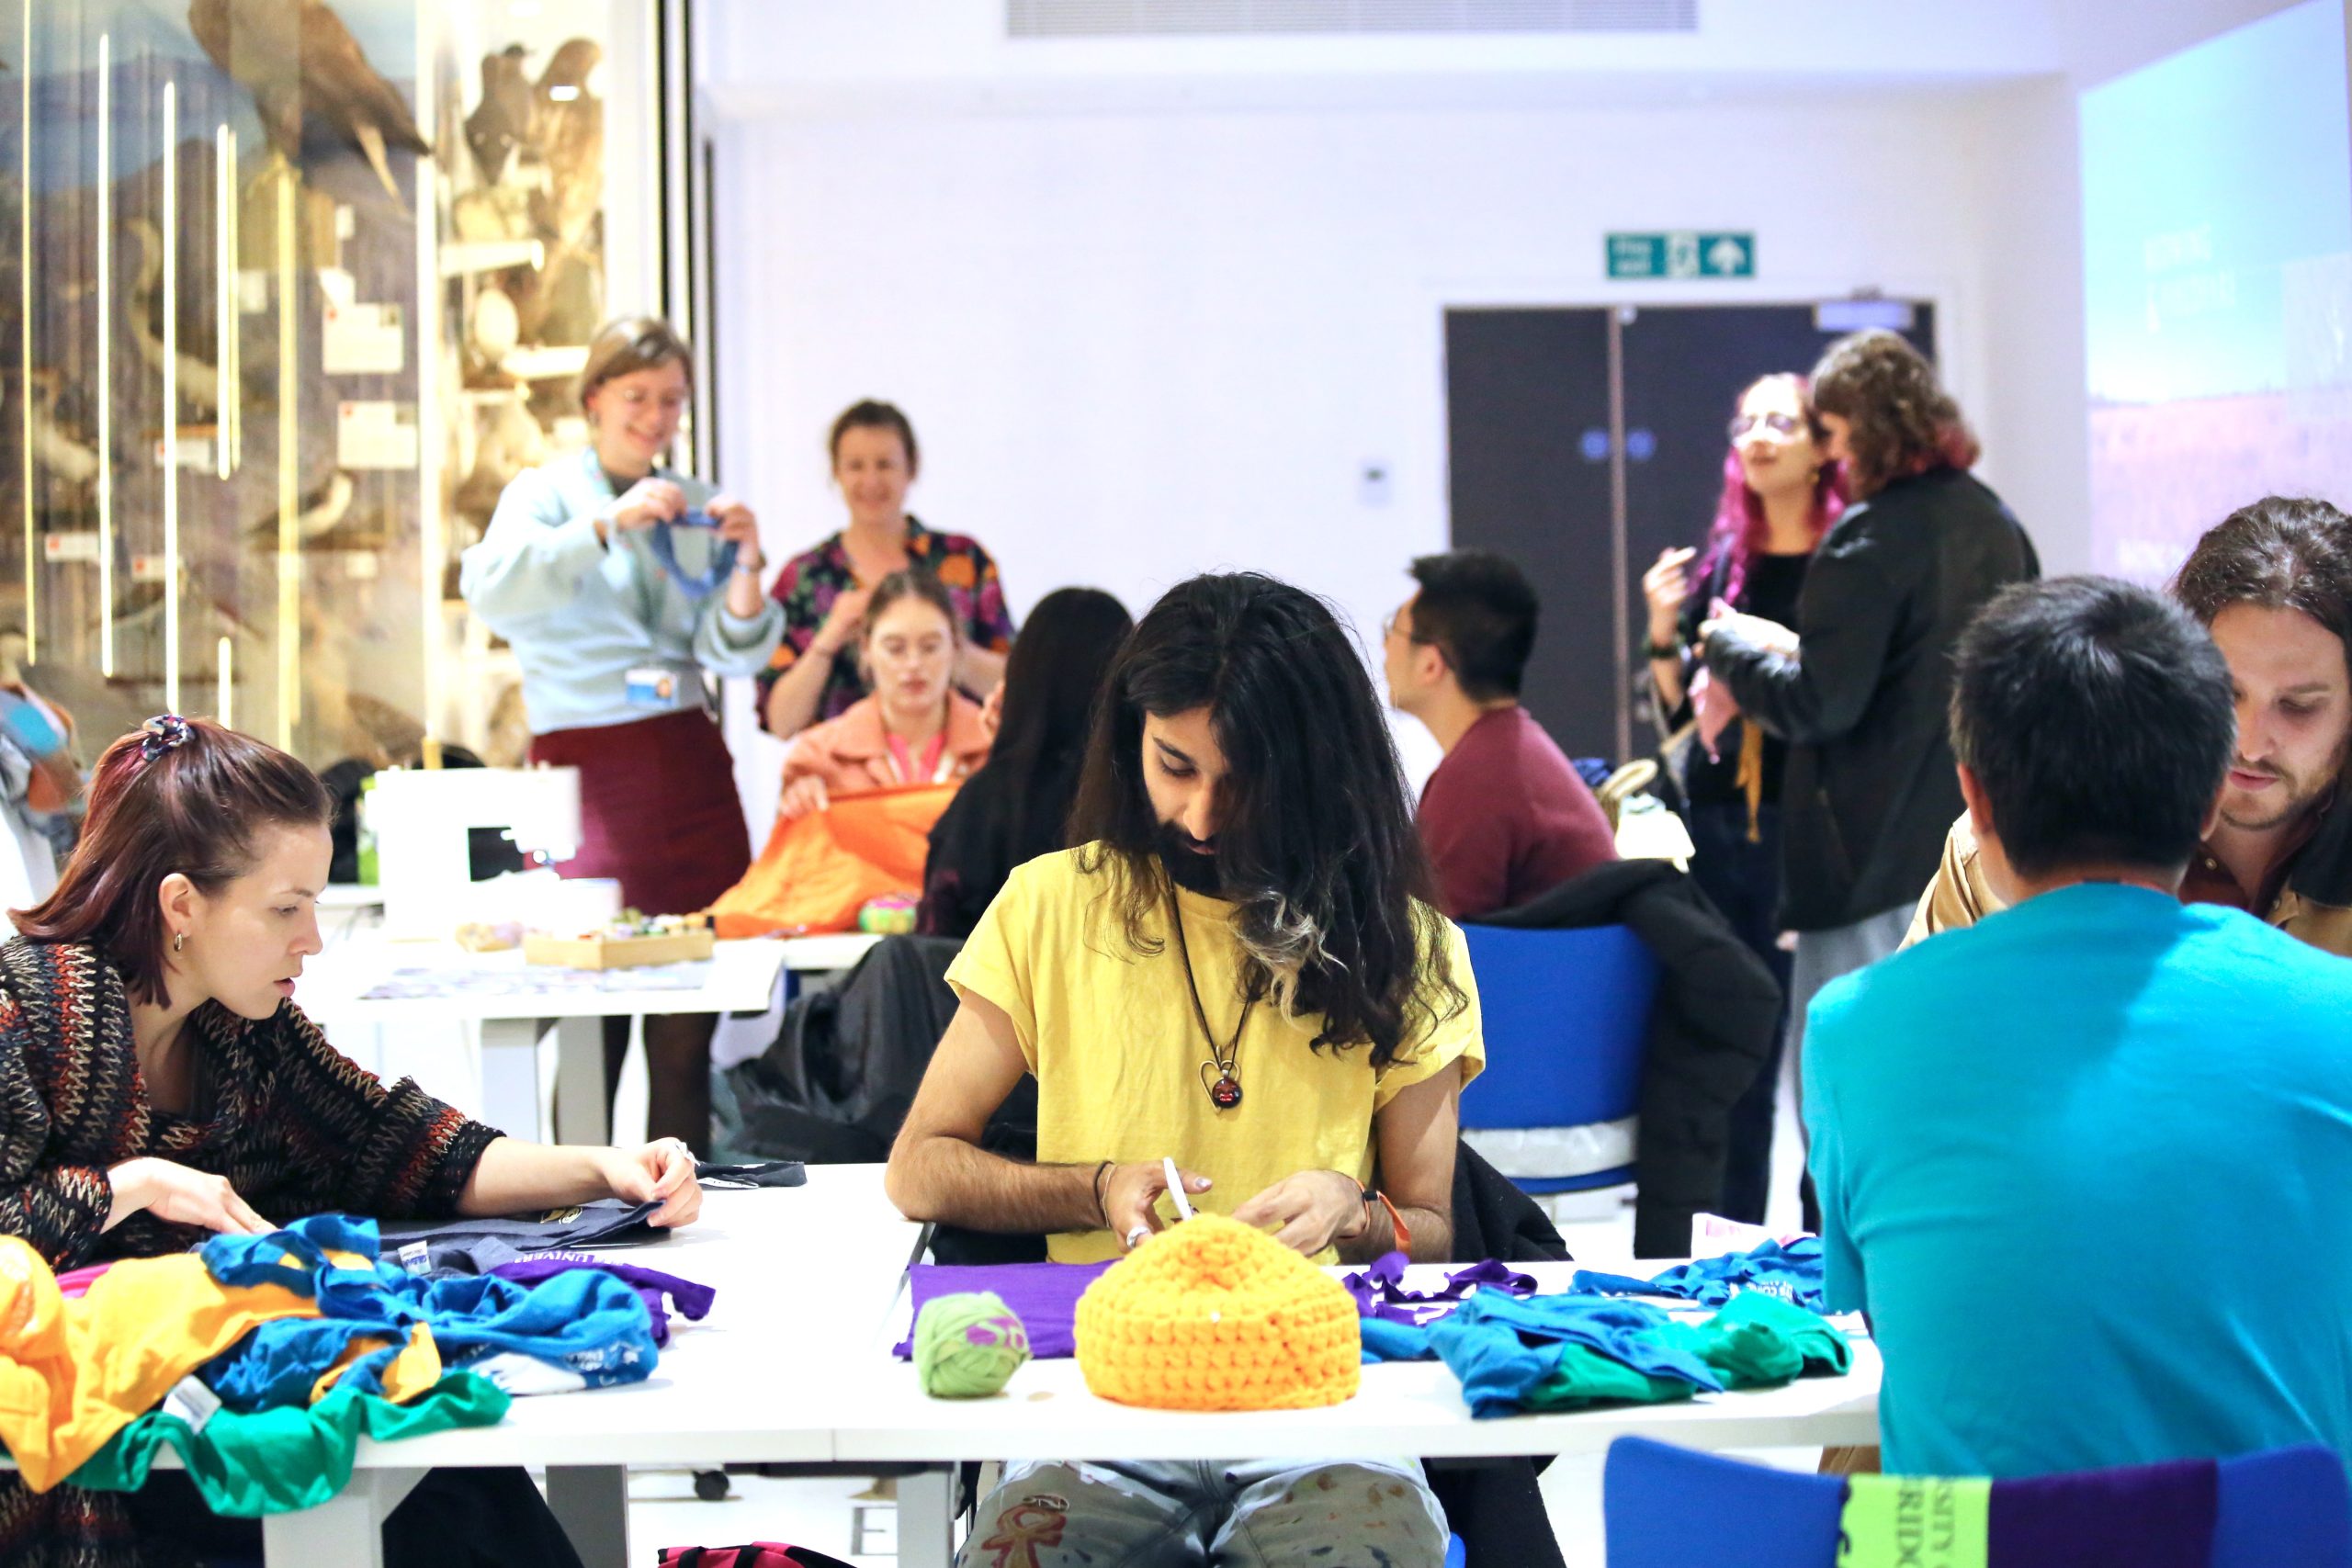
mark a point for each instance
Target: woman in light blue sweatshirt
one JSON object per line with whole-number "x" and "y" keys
{"x": 618, "y": 583}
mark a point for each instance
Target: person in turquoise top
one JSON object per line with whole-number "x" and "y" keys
{"x": 2088, "y": 1163}
{"x": 619, "y": 583}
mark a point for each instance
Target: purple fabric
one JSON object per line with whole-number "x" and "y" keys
{"x": 2151, "y": 1515}
{"x": 1380, "y": 1289}
{"x": 693, "y": 1301}
{"x": 1044, "y": 1296}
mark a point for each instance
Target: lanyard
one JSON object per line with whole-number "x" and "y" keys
{"x": 697, "y": 584}
{"x": 903, "y": 760}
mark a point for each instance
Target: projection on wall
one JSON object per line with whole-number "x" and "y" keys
{"x": 2217, "y": 256}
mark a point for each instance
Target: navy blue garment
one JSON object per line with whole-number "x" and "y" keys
{"x": 604, "y": 1222}
{"x": 755, "y": 1173}
{"x": 1791, "y": 1272}
{"x": 580, "y": 1329}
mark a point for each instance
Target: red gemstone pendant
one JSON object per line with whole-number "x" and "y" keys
{"x": 1224, "y": 1094}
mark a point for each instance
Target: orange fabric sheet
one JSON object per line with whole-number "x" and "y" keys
{"x": 817, "y": 873}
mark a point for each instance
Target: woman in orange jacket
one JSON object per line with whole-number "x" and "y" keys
{"x": 914, "y": 728}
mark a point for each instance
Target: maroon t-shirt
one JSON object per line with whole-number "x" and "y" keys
{"x": 1505, "y": 818}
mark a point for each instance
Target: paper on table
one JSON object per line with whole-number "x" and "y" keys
{"x": 535, "y": 979}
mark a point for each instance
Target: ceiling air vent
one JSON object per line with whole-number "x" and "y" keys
{"x": 1161, "y": 18}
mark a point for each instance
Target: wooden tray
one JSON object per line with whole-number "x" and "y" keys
{"x": 617, "y": 953}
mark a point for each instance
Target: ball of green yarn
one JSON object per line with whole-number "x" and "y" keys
{"x": 969, "y": 1345}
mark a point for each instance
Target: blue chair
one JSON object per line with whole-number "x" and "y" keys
{"x": 1568, "y": 1017}
{"x": 1669, "y": 1507}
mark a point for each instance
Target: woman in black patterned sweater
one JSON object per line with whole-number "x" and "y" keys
{"x": 158, "y": 1084}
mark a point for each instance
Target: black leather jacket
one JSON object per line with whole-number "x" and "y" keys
{"x": 1869, "y": 789}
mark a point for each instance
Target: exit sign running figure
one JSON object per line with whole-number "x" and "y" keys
{"x": 1684, "y": 252}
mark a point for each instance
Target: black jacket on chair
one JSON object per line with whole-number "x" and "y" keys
{"x": 837, "y": 1082}
{"x": 1710, "y": 1029}
{"x": 1492, "y": 1218}
{"x": 1869, "y": 790}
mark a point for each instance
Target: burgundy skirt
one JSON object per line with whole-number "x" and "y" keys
{"x": 657, "y": 810}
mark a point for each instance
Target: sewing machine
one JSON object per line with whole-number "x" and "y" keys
{"x": 456, "y": 845}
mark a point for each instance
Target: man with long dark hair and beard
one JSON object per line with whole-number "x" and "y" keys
{"x": 2272, "y": 582}
{"x": 1238, "y": 967}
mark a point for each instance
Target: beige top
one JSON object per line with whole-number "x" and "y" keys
{"x": 1960, "y": 896}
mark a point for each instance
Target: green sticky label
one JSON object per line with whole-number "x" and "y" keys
{"x": 1914, "y": 1521}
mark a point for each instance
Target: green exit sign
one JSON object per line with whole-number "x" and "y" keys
{"x": 1682, "y": 253}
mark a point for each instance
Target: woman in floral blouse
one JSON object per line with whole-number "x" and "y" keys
{"x": 814, "y": 673}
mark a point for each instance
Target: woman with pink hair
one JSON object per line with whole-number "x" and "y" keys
{"x": 1780, "y": 495}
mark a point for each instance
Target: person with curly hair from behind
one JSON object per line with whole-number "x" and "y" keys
{"x": 1860, "y": 697}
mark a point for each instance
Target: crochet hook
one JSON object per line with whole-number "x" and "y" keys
{"x": 1176, "y": 1187}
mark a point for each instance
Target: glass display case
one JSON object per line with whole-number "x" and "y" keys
{"x": 292, "y": 289}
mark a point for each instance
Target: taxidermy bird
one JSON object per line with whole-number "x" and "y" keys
{"x": 498, "y": 127}
{"x": 296, "y": 56}
{"x": 199, "y": 382}
{"x": 74, "y": 461}
{"x": 568, "y": 127}
{"x": 568, "y": 133}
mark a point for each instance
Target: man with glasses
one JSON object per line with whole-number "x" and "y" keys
{"x": 1505, "y": 817}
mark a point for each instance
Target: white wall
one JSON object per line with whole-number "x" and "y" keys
{"x": 2095, "y": 48}
{"x": 1138, "y": 346}
{"x": 2031, "y": 400}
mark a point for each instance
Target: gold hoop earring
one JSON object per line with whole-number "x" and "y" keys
{"x": 179, "y": 941}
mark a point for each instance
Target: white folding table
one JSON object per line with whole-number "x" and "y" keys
{"x": 793, "y": 1366}
{"x": 741, "y": 978}
{"x": 801, "y": 1274}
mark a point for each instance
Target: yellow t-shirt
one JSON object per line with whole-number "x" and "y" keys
{"x": 1118, "y": 1056}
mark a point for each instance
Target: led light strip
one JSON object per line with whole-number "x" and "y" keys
{"x": 171, "y": 398}
{"x": 289, "y": 559}
{"x": 25, "y": 325}
{"x": 226, "y": 416}
{"x": 106, "y": 359}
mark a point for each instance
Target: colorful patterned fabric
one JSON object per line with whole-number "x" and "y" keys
{"x": 810, "y": 584}
{"x": 296, "y": 1126}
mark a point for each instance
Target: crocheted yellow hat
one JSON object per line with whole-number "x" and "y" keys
{"x": 1211, "y": 1314}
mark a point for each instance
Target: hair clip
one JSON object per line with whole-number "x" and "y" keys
{"x": 163, "y": 731}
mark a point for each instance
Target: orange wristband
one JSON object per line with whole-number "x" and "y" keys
{"x": 1404, "y": 1231}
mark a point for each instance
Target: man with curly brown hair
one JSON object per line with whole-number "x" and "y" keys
{"x": 1859, "y": 693}
{"x": 2272, "y": 582}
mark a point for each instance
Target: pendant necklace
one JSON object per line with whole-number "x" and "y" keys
{"x": 1225, "y": 1092}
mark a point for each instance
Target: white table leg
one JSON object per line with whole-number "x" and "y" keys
{"x": 927, "y": 1518}
{"x": 346, "y": 1530}
{"x": 581, "y": 1114}
{"x": 591, "y": 1502}
{"x": 510, "y": 1078}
